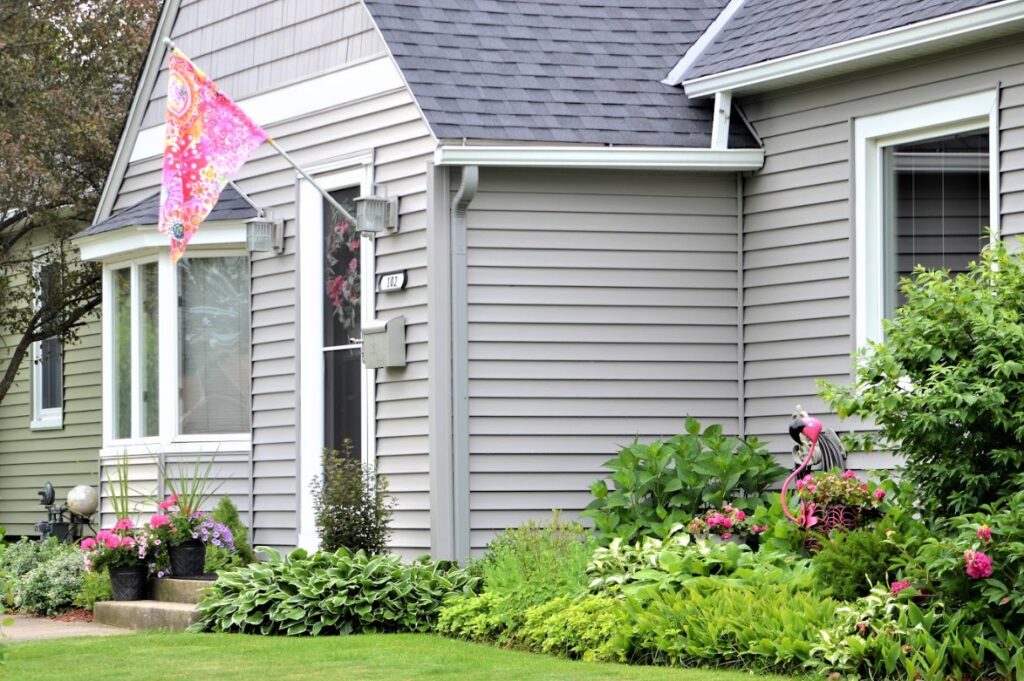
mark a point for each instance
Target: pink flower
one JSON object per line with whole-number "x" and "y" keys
{"x": 124, "y": 524}
{"x": 900, "y": 586}
{"x": 757, "y": 529}
{"x": 977, "y": 564}
{"x": 985, "y": 533}
{"x": 864, "y": 487}
{"x": 88, "y": 543}
{"x": 799, "y": 484}
{"x": 879, "y": 493}
{"x": 727, "y": 522}
{"x": 807, "y": 517}
{"x": 848, "y": 474}
{"x": 128, "y": 541}
{"x": 727, "y": 535}
{"x": 167, "y": 503}
{"x": 158, "y": 520}
{"x": 741, "y": 516}
{"x": 112, "y": 541}
{"x": 103, "y": 534}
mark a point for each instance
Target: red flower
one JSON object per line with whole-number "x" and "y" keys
{"x": 977, "y": 564}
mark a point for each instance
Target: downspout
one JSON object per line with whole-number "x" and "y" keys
{"x": 741, "y": 386}
{"x": 460, "y": 361}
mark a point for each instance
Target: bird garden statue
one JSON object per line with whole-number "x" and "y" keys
{"x": 828, "y": 455}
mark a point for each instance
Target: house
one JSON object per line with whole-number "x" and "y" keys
{"x": 50, "y": 418}
{"x": 610, "y": 216}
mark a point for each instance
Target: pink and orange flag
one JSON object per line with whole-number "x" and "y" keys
{"x": 208, "y": 139}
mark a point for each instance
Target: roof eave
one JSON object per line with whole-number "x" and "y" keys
{"x": 973, "y": 25}
{"x": 131, "y": 239}
{"x": 637, "y": 158}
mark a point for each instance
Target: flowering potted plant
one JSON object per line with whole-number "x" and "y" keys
{"x": 830, "y": 501}
{"x": 122, "y": 551}
{"x": 725, "y": 524}
{"x": 178, "y": 525}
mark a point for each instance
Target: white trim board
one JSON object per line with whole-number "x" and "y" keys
{"x": 644, "y": 158}
{"x": 871, "y": 135}
{"x": 678, "y": 73}
{"x": 130, "y": 240}
{"x": 344, "y": 86}
{"x": 973, "y": 24}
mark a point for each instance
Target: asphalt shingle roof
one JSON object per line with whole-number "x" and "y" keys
{"x": 230, "y": 206}
{"x": 550, "y": 70}
{"x": 762, "y": 30}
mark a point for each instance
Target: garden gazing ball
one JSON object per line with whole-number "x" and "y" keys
{"x": 83, "y": 500}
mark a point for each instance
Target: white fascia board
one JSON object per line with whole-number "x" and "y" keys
{"x": 360, "y": 80}
{"x": 131, "y": 240}
{"x": 678, "y": 73}
{"x": 976, "y": 23}
{"x": 644, "y": 158}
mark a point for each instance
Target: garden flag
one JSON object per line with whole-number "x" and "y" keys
{"x": 208, "y": 139}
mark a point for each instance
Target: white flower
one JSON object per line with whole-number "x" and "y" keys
{"x": 905, "y": 384}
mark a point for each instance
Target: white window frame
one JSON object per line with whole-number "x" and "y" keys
{"x": 872, "y": 134}
{"x": 169, "y": 440}
{"x": 353, "y": 171}
{"x": 53, "y": 417}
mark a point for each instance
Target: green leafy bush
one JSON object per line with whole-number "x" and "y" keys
{"x": 51, "y": 586}
{"x": 330, "y": 593}
{"x": 947, "y": 385}
{"x": 724, "y": 622}
{"x": 485, "y": 617}
{"x": 95, "y": 587}
{"x": 850, "y": 563}
{"x": 218, "y": 558}
{"x": 659, "y": 485}
{"x": 587, "y": 628}
{"x": 353, "y": 509}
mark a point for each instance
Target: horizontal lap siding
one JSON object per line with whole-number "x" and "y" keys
{"x": 602, "y": 306}
{"x": 391, "y": 126}
{"x": 798, "y": 249}
{"x": 64, "y": 457}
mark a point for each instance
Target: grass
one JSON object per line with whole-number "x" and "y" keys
{"x": 227, "y": 657}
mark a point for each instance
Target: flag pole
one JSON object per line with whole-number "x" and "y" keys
{"x": 270, "y": 140}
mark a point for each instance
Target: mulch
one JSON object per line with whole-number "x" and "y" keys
{"x": 73, "y": 616}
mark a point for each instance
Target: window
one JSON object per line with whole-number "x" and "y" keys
{"x": 177, "y": 331}
{"x": 926, "y": 194}
{"x": 47, "y": 367}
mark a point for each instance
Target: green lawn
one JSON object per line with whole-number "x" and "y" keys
{"x": 226, "y": 657}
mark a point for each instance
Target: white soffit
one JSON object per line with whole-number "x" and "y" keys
{"x": 989, "y": 21}
{"x": 131, "y": 240}
{"x": 645, "y": 158}
{"x": 344, "y": 86}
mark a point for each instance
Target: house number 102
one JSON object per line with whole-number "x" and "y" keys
{"x": 393, "y": 281}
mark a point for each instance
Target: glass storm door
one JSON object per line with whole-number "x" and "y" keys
{"x": 344, "y": 377}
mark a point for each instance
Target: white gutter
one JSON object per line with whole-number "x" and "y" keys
{"x": 645, "y": 158}
{"x": 980, "y": 22}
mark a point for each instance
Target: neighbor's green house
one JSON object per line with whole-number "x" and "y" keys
{"x": 49, "y": 420}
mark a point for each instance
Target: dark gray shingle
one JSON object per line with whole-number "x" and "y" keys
{"x": 763, "y": 30}
{"x": 230, "y": 206}
{"x": 550, "y": 70}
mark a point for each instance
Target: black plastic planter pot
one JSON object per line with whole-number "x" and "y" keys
{"x": 128, "y": 583}
{"x": 188, "y": 558}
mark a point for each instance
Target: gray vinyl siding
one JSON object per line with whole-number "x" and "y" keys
{"x": 798, "y": 244}
{"x": 249, "y": 46}
{"x": 65, "y": 457}
{"x": 602, "y": 306}
{"x": 391, "y": 126}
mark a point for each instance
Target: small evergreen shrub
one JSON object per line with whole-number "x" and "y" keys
{"x": 219, "y": 558}
{"x": 330, "y": 593}
{"x": 657, "y": 486}
{"x": 850, "y": 563}
{"x": 947, "y": 385}
{"x": 353, "y": 509}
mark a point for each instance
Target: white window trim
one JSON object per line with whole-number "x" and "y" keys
{"x": 53, "y": 417}
{"x": 353, "y": 171}
{"x": 168, "y": 440}
{"x": 871, "y": 135}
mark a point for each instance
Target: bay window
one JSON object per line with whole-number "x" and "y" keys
{"x": 177, "y": 349}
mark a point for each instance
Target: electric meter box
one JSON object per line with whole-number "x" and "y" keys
{"x": 384, "y": 343}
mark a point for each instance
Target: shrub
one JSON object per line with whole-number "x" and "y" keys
{"x": 353, "y": 509}
{"x": 587, "y": 628}
{"x": 716, "y": 621}
{"x": 95, "y": 587}
{"x": 330, "y": 593}
{"x": 219, "y": 558}
{"x": 850, "y": 563}
{"x": 484, "y": 617}
{"x": 947, "y": 385}
{"x": 22, "y": 557}
{"x": 659, "y": 485}
{"x": 51, "y": 586}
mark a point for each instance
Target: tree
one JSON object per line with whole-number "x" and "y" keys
{"x": 69, "y": 72}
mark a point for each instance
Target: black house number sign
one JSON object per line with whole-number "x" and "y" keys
{"x": 393, "y": 281}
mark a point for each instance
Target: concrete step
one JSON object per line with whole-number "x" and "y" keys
{"x": 146, "y": 614}
{"x": 171, "y": 590}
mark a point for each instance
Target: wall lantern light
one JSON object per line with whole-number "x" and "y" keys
{"x": 376, "y": 214}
